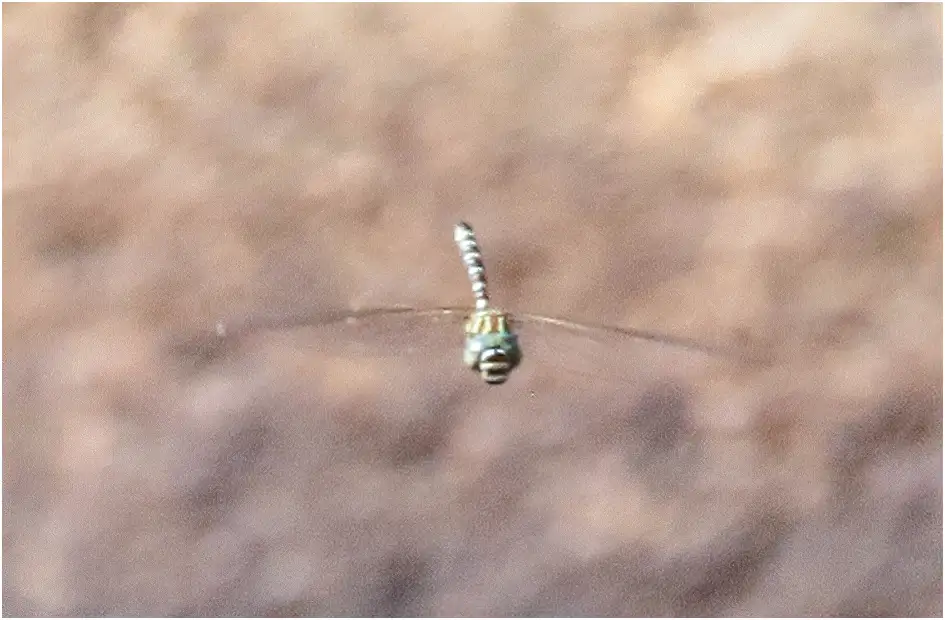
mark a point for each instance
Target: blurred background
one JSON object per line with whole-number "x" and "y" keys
{"x": 763, "y": 175}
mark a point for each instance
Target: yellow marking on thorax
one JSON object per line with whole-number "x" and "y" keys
{"x": 487, "y": 323}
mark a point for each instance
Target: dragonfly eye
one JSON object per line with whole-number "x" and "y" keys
{"x": 494, "y": 366}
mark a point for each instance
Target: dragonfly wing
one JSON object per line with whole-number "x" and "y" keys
{"x": 405, "y": 353}
{"x": 606, "y": 354}
{"x": 742, "y": 353}
{"x": 388, "y": 332}
{"x": 375, "y": 416}
{"x": 603, "y": 332}
{"x": 401, "y": 351}
{"x": 551, "y": 347}
{"x": 366, "y": 317}
{"x": 380, "y": 357}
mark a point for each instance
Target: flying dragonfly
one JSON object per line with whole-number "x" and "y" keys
{"x": 491, "y": 345}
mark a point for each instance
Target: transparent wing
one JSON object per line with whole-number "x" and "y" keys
{"x": 401, "y": 352}
{"x": 446, "y": 314}
{"x": 618, "y": 333}
{"x": 371, "y": 423}
{"x": 381, "y": 317}
{"x": 551, "y": 347}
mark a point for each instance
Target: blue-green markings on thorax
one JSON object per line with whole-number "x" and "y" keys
{"x": 491, "y": 348}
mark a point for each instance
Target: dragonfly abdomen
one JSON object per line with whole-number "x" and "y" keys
{"x": 491, "y": 349}
{"x": 472, "y": 258}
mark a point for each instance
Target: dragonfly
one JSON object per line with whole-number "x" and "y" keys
{"x": 491, "y": 343}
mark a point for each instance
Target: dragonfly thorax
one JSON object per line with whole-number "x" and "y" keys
{"x": 491, "y": 349}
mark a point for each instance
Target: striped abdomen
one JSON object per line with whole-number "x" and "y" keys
{"x": 472, "y": 259}
{"x": 491, "y": 348}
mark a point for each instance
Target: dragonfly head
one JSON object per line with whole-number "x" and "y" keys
{"x": 494, "y": 365}
{"x": 493, "y": 356}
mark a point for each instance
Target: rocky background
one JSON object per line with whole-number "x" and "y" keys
{"x": 764, "y": 178}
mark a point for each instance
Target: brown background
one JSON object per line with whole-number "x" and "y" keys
{"x": 769, "y": 176}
